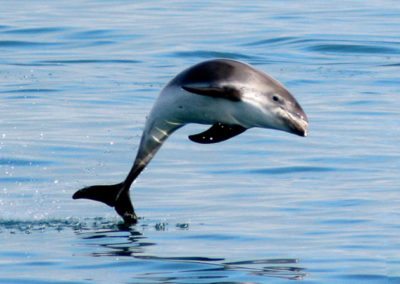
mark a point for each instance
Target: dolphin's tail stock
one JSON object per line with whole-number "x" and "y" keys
{"x": 115, "y": 195}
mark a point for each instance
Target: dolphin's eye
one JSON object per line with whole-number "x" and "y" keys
{"x": 276, "y": 99}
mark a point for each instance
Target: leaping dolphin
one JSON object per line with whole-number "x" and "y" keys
{"x": 229, "y": 95}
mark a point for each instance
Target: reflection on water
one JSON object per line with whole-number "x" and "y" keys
{"x": 214, "y": 269}
{"x": 134, "y": 244}
{"x": 109, "y": 238}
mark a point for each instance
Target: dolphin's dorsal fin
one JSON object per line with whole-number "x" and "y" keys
{"x": 217, "y": 133}
{"x": 226, "y": 92}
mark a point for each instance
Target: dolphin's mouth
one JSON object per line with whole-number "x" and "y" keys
{"x": 300, "y": 129}
{"x": 297, "y": 124}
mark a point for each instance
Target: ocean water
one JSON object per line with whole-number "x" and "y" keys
{"x": 77, "y": 79}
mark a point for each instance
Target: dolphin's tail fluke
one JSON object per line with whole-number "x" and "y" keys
{"x": 115, "y": 195}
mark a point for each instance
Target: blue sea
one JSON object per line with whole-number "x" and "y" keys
{"x": 77, "y": 80}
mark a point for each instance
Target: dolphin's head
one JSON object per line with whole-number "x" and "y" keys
{"x": 272, "y": 106}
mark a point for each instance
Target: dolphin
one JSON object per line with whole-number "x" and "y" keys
{"x": 229, "y": 95}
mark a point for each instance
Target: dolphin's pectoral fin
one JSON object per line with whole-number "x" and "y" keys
{"x": 217, "y": 133}
{"x": 113, "y": 195}
{"x": 225, "y": 92}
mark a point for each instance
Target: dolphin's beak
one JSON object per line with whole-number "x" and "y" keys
{"x": 297, "y": 123}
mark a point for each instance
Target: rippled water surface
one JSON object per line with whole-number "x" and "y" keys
{"x": 77, "y": 79}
